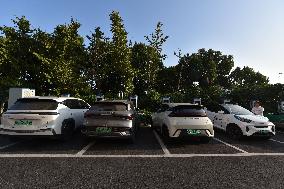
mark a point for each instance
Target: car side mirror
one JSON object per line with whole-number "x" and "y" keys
{"x": 221, "y": 112}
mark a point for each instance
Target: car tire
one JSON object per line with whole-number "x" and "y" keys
{"x": 67, "y": 130}
{"x": 234, "y": 132}
{"x": 165, "y": 134}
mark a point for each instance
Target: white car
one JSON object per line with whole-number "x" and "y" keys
{"x": 177, "y": 120}
{"x": 44, "y": 116}
{"x": 238, "y": 121}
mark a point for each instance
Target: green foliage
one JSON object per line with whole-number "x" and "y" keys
{"x": 59, "y": 62}
{"x": 206, "y": 67}
{"x": 157, "y": 39}
{"x": 247, "y": 77}
{"x": 146, "y": 62}
{"x": 167, "y": 80}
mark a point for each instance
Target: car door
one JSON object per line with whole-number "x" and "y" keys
{"x": 221, "y": 118}
{"x": 218, "y": 116}
{"x": 79, "y": 108}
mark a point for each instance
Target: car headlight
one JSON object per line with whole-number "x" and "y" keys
{"x": 243, "y": 119}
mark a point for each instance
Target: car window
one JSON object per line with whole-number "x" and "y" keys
{"x": 238, "y": 110}
{"x": 226, "y": 111}
{"x": 214, "y": 107}
{"x": 72, "y": 104}
{"x": 109, "y": 107}
{"x": 34, "y": 104}
{"x": 83, "y": 105}
{"x": 188, "y": 111}
{"x": 163, "y": 108}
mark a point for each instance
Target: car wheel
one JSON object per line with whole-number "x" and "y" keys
{"x": 235, "y": 132}
{"x": 67, "y": 130}
{"x": 165, "y": 134}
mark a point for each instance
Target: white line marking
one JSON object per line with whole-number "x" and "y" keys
{"x": 80, "y": 153}
{"x": 137, "y": 156}
{"x": 227, "y": 144}
{"x": 163, "y": 146}
{"x": 276, "y": 141}
{"x": 8, "y": 145}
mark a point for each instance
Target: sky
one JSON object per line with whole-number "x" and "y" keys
{"x": 250, "y": 30}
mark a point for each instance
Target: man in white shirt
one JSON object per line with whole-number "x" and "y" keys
{"x": 257, "y": 109}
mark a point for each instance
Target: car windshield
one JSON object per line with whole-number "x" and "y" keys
{"x": 105, "y": 106}
{"x": 34, "y": 104}
{"x": 237, "y": 110}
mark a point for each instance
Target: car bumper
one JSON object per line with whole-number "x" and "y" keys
{"x": 182, "y": 130}
{"x": 39, "y": 132}
{"x": 185, "y": 133}
{"x": 252, "y": 130}
{"x": 116, "y": 132}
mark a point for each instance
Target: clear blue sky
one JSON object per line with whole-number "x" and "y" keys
{"x": 250, "y": 30}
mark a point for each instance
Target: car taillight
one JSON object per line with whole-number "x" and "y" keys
{"x": 130, "y": 117}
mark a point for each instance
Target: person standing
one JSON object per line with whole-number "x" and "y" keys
{"x": 257, "y": 109}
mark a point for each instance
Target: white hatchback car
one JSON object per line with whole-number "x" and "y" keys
{"x": 44, "y": 116}
{"x": 177, "y": 120}
{"x": 238, "y": 121}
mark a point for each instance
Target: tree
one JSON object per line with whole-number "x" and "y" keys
{"x": 247, "y": 77}
{"x": 120, "y": 72}
{"x": 167, "y": 80}
{"x": 206, "y": 67}
{"x": 65, "y": 58}
{"x": 98, "y": 59}
{"x": 146, "y": 62}
{"x": 157, "y": 39}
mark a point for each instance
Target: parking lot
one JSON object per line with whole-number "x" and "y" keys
{"x": 148, "y": 163}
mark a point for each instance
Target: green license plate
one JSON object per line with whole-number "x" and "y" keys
{"x": 193, "y": 132}
{"x": 103, "y": 130}
{"x": 23, "y": 122}
{"x": 264, "y": 131}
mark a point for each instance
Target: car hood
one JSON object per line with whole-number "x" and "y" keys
{"x": 255, "y": 118}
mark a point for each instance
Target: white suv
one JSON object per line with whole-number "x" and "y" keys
{"x": 238, "y": 121}
{"x": 44, "y": 116}
{"x": 177, "y": 120}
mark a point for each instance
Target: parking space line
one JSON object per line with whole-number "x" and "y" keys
{"x": 276, "y": 141}
{"x": 8, "y": 145}
{"x": 163, "y": 146}
{"x": 137, "y": 156}
{"x": 227, "y": 144}
{"x": 80, "y": 153}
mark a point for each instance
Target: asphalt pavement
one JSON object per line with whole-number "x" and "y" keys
{"x": 148, "y": 163}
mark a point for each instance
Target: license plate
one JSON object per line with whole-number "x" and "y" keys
{"x": 103, "y": 130}
{"x": 23, "y": 122}
{"x": 264, "y": 131}
{"x": 193, "y": 132}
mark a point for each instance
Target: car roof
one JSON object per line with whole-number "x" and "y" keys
{"x": 58, "y": 99}
{"x": 181, "y": 104}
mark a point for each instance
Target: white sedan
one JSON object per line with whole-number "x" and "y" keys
{"x": 238, "y": 121}
{"x": 177, "y": 120}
